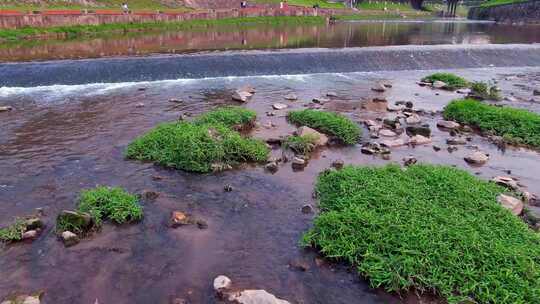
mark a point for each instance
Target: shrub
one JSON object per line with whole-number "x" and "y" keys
{"x": 516, "y": 126}
{"x": 232, "y": 117}
{"x": 452, "y": 81}
{"x": 485, "y": 91}
{"x": 431, "y": 228}
{"x": 196, "y": 147}
{"x": 111, "y": 203}
{"x": 13, "y": 232}
{"x": 301, "y": 144}
{"x": 327, "y": 122}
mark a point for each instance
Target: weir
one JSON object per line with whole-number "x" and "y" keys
{"x": 256, "y": 63}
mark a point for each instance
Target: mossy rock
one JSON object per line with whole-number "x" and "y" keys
{"x": 77, "y": 222}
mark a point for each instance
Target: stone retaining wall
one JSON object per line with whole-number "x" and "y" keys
{"x": 13, "y": 21}
{"x": 524, "y": 12}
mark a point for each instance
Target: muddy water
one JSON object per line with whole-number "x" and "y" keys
{"x": 61, "y": 139}
{"x": 343, "y": 34}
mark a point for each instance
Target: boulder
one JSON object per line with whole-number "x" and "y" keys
{"x": 178, "y": 219}
{"x": 322, "y": 139}
{"x": 338, "y": 164}
{"x": 446, "y": 124}
{"x": 241, "y": 96}
{"x": 423, "y": 130}
{"x": 291, "y": 97}
{"x": 506, "y": 181}
{"x": 279, "y": 106}
{"x": 222, "y": 282}
{"x": 387, "y": 133}
{"x": 255, "y": 297}
{"x": 439, "y": 84}
{"x": 420, "y": 140}
{"x": 413, "y": 119}
{"x": 511, "y": 203}
{"x": 477, "y": 158}
{"x": 456, "y": 141}
{"x": 70, "y": 239}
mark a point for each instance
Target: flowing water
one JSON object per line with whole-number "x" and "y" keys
{"x": 60, "y": 139}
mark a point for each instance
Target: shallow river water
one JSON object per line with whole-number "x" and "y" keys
{"x": 61, "y": 139}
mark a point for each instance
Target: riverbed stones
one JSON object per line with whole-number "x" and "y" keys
{"x": 291, "y": 97}
{"x": 447, "y": 124}
{"x": 5, "y": 108}
{"x": 322, "y": 139}
{"x": 241, "y": 96}
{"x": 279, "y": 106}
{"x": 477, "y": 158}
{"x": 255, "y": 297}
{"x": 511, "y": 203}
{"x": 420, "y": 140}
{"x": 222, "y": 282}
{"x": 70, "y": 239}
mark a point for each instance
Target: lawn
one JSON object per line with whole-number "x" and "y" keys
{"x": 515, "y": 126}
{"x": 429, "y": 228}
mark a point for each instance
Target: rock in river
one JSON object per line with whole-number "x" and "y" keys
{"x": 423, "y": 130}
{"x": 70, "y": 239}
{"x": 420, "y": 140}
{"x": 255, "y": 297}
{"x": 222, "y": 282}
{"x": 322, "y": 139}
{"x": 178, "y": 219}
{"x": 5, "y": 109}
{"x": 241, "y": 96}
{"x": 506, "y": 181}
{"x": 291, "y": 97}
{"x": 477, "y": 158}
{"x": 511, "y": 203}
{"x": 439, "y": 84}
{"x": 446, "y": 124}
{"x": 279, "y": 106}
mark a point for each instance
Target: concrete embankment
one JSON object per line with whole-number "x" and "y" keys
{"x": 523, "y": 12}
{"x": 256, "y": 63}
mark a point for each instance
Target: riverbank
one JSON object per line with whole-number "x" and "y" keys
{"x": 508, "y": 12}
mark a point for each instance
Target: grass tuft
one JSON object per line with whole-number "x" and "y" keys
{"x": 199, "y": 146}
{"x": 111, "y": 203}
{"x": 329, "y": 123}
{"x": 13, "y": 232}
{"x": 431, "y": 228}
{"x": 232, "y": 117}
{"x": 484, "y": 90}
{"x": 515, "y": 126}
{"x": 452, "y": 81}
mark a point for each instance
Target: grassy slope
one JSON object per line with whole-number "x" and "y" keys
{"x": 514, "y": 125}
{"x": 431, "y": 228}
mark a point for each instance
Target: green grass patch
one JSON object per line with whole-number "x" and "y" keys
{"x": 202, "y": 146}
{"x": 110, "y": 203}
{"x": 515, "y": 126}
{"x": 329, "y": 123}
{"x": 13, "y": 232}
{"x": 452, "y": 81}
{"x": 301, "y": 144}
{"x": 500, "y": 2}
{"x": 232, "y": 117}
{"x": 429, "y": 228}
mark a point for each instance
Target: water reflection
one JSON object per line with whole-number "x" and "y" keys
{"x": 346, "y": 34}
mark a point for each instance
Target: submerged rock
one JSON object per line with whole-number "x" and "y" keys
{"x": 398, "y": 142}
{"x": 320, "y": 100}
{"x": 477, "y": 158}
{"x": 5, "y": 108}
{"x": 306, "y": 209}
{"x": 29, "y": 235}
{"x": 298, "y": 163}
{"x": 374, "y": 148}
{"x": 378, "y": 88}
{"x": 299, "y": 265}
{"x": 409, "y": 160}
{"x": 70, "y": 239}
{"x": 413, "y": 119}
{"x": 272, "y": 167}
{"x": 439, "y": 84}
{"x": 511, "y": 203}
{"x": 178, "y": 219}
{"x": 506, "y": 181}
{"x": 255, "y": 297}
{"x": 423, "y": 130}
{"x": 456, "y": 141}
{"x": 291, "y": 97}
{"x": 241, "y": 96}
{"x": 420, "y": 140}
{"x": 338, "y": 164}
{"x": 387, "y": 133}
{"x": 331, "y": 94}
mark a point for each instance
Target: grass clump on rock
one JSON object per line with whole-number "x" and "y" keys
{"x": 232, "y": 117}
{"x": 429, "y": 228}
{"x": 207, "y": 144}
{"x": 452, "y": 81}
{"x": 515, "y": 126}
{"x": 13, "y": 232}
{"x": 301, "y": 144}
{"x": 329, "y": 123}
{"x": 483, "y": 90}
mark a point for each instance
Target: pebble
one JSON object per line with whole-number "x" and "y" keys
{"x": 279, "y": 106}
